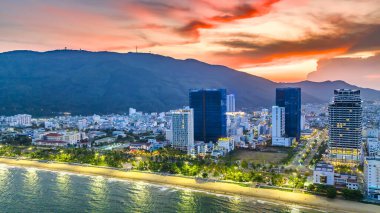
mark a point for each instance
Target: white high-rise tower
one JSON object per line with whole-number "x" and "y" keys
{"x": 278, "y": 122}
{"x": 231, "y": 103}
{"x": 183, "y": 129}
{"x": 278, "y": 128}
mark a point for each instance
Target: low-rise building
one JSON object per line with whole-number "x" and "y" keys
{"x": 217, "y": 153}
{"x": 352, "y": 184}
{"x": 373, "y": 146}
{"x": 59, "y": 138}
{"x": 53, "y": 136}
{"x": 372, "y": 133}
{"x": 119, "y": 134}
{"x": 50, "y": 143}
{"x": 282, "y": 141}
{"x": 72, "y": 137}
{"x": 20, "y": 120}
{"x": 223, "y": 146}
{"x": 323, "y": 174}
{"x": 139, "y": 146}
{"x": 96, "y": 134}
{"x": 106, "y": 140}
{"x": 156, "y": 145}
{"x": 227, "y": 144}
{"x": 346, "y": 181}
{"x": 242, "y": 145}
{"x": 200, "y": 148}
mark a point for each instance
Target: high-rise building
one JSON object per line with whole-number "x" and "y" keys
{"x": 278, "y": 121}
{"x": 303, "y": 122}
{"x": 210, "y": 121}
{"x": 290, "y": 98}
{"x": 372, "y": 177}
{"x": 182, "y": 129}
{"x": 231, "y": 103}
{"x": 345, "y": 126}
{"x": 278, "y": 128}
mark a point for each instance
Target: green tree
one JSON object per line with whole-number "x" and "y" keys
{"x": 311, "y": 187}
{"x": 349, "y": 194}
{"x": 204, "y": 175}
{"x": 331, "y": 192}
{"x": 244, "y": 164}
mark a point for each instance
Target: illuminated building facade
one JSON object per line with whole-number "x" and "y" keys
{"x": 345, "y": 126}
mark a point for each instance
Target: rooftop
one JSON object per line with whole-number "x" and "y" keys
{"x": 324, "y": 166}
{"x": 53, "y": 134}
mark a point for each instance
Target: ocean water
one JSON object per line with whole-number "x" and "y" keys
{"x": 33, "y": 190}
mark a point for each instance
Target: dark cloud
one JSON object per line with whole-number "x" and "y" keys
{"x": 364, "y": 72}
{"x": 250, "y": 51}
{"x": 369, "y": 41}
{"x": 344, "y": 37}
{"x": 192, "y": 28}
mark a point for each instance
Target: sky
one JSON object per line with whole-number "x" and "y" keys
{"x": 282, "y": 40}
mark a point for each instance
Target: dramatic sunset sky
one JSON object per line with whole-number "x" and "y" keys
{"x": 282, "y": 40}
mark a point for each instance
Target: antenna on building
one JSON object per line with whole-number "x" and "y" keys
{"x": 136, "y": 49}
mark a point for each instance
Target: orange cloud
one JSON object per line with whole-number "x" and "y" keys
{"x": 245, "y": 11}
{"x": 241, "y": 11}
{"x": 341, "y": 36}
{"x": 243, "y": 60}
{"x": 192, "y": 28}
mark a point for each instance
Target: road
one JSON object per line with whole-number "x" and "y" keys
{"x": 312, "y": 144}
{"x": 322, "y": 137}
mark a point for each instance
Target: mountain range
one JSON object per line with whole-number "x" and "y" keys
{"x": 83, "y": 82}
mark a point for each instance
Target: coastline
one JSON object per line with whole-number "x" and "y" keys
{"x": 307, "y": 200}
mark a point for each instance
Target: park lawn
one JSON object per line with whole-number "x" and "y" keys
{"x": 257, "y": 157}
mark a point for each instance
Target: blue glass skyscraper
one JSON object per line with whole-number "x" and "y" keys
{"x": 290, "y": 98}
{"x": 210, "y": 121}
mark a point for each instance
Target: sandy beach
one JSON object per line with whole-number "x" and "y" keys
{"x": 307, "y": 200}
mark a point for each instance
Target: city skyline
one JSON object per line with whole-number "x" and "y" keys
{"x": 190, "y": 106}
{"x": 162, "y": 143}
{"x": 280, "y": 40}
